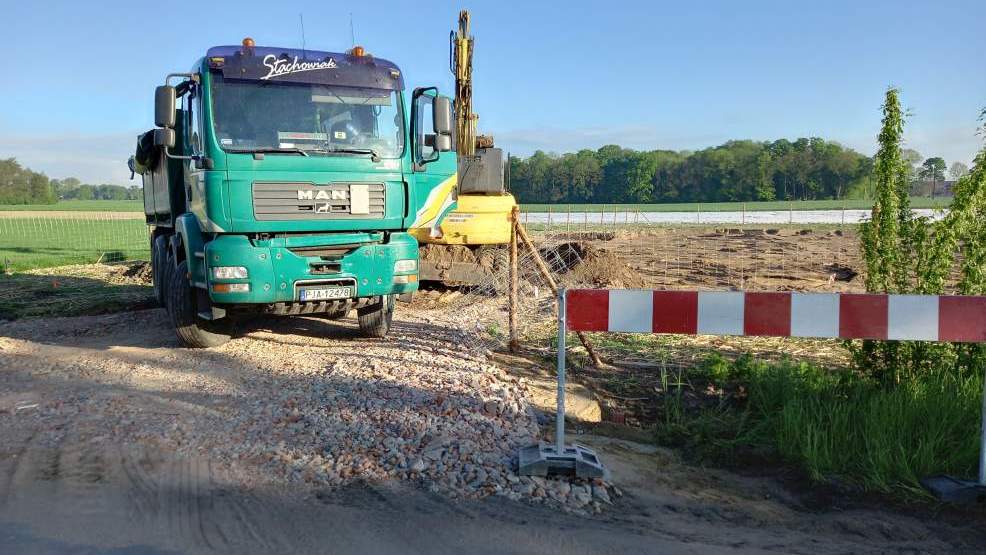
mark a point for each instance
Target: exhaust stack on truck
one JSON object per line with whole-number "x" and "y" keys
{"x": 291, "y": 182}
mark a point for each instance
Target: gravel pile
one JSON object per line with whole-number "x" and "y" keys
{"x": 301, "y": 400}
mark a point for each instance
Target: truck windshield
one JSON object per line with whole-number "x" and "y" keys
{"x": 316, "y": 119}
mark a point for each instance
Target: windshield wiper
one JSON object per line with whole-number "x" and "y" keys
{"x": 270, "y": 149}
{"x": 373, "y": 154}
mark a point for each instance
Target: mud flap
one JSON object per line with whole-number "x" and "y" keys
{"x": 206, "y": 310}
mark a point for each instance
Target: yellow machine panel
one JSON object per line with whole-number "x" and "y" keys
{"x": 478, "y": 220}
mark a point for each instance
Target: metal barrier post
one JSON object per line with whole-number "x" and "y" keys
{"x": 544, "y": 459}
{"x": 560, "y": 416}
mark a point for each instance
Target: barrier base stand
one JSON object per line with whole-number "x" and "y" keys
{"x": 574, "y": 460}
{"x": 955, "y": 490}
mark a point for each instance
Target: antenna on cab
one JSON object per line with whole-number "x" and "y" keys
{"x": 301, "y": 18}
{"x": 352, "y": 28}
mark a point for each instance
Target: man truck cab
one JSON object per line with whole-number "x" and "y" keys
{"x": 286, "y": 182}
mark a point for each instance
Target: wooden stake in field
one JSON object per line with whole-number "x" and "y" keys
{"x": 514, "y": 279}
{"x": 546, "y": 274}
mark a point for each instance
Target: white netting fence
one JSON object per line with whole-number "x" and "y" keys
{"x": 32, "y": 240}
{"x": 818, "y": 258}
{"x": 55, "y": 263}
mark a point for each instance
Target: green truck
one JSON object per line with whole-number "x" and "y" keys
{"x": 283, "y": 181}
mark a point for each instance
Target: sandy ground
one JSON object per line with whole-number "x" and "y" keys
{"x": 114, "y": 440}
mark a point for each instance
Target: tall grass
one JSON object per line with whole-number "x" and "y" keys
{"x": 840, "y": 426}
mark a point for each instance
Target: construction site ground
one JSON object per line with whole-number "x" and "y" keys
{"x": 301, "y": 436}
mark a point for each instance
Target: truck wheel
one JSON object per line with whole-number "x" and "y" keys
{"x": 374, "y": 320}
{"x": 192, "y": 331}
{"x": 159, "y": 259}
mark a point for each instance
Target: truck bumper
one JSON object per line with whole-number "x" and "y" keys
{"x": 278, "y": 267}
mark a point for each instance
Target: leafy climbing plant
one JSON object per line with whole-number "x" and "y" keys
{"x": 907, "y": 254}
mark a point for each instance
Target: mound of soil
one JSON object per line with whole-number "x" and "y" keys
{"x": 585, "y": 265}
{"x": 450, "y": 253}
{"x": 139, "y": 273}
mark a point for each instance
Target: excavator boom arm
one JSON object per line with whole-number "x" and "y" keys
{"x": 465, "y": 119}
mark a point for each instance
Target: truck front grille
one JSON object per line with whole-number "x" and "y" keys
{"x": 306, "y": 201}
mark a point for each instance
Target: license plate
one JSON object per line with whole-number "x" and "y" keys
{"x": 325, "y": 293}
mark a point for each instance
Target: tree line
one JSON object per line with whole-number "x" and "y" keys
{"x": 71, "y": 188}
{"x": 21, "y": 185}
{"x": 804, "y": 169}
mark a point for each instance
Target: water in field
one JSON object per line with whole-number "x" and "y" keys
{"x": 767, "y": 217}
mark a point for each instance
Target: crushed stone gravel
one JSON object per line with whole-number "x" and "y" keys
{"x": 303, "y": 400}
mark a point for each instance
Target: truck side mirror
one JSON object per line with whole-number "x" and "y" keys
{"x": 442, "y": 116}
{"x": 164, "y": 107}
{"x": 443, "y": 143}
{"x": 164, "y": 137}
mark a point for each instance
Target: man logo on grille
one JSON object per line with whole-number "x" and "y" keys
{"x": 310, "y": 194}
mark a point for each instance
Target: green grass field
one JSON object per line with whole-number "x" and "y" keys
{"x": 28, "y": 243}
{"x": 80, "y": 206}
{"x": 916, "y": 202}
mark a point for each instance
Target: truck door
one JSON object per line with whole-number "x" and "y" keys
{"x": 434, "y": 177}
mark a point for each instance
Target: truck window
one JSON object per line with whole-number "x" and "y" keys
{"x": 319, "y": 119}
{"x": 192, "y": 107}
{"x": 423, "y": 126}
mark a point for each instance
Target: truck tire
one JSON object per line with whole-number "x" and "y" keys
{"x": 159, "y": 260}
{"x": 375, "y": 320}
{"x": 192, "y": 331}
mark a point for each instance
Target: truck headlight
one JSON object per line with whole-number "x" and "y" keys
{"x": 230, "y": 272}
{"x": 405, "y": 266}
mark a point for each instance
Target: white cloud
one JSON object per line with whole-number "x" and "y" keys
{"x": 92, "y": 158}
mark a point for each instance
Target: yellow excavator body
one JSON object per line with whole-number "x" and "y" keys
{"x": 478, "y": 220}
{"x": 472, "y": 245}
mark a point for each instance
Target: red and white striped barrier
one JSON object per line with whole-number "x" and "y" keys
{"x": 789, "y": 314}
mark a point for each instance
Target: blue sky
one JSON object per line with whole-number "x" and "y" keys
{"x": 558, "y": 76}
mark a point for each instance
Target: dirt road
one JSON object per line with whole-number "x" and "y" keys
{"x": 298, "y": 436}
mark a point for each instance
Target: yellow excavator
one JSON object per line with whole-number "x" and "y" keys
{"x": 473, "y": 243}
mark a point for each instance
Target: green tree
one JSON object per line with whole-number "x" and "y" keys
{"x": 958, "y": 170}
{"x": 913, "y": 159}
{"x": 933, "y": 169}
{"x": 85, "y": 192}
{"x": 20, "y": 185}
{"x": 808, "y": 168}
